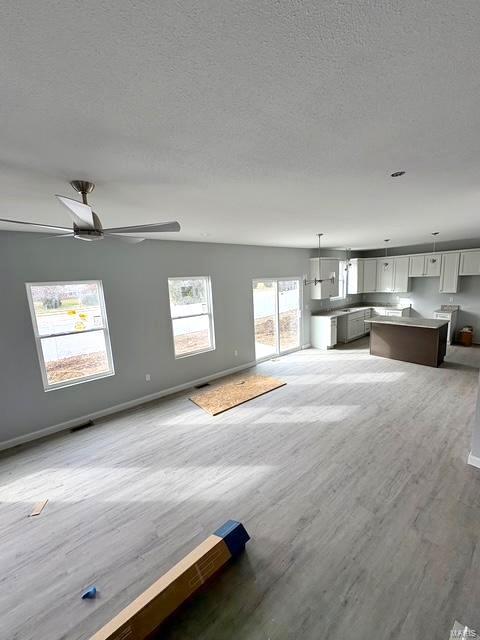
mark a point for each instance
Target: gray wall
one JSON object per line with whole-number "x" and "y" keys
{"x": 136, "y": 294}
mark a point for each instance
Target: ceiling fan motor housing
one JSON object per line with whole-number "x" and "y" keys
{"x": 89, "y": 234}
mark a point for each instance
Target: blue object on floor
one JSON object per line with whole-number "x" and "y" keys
{"x": 235, "y": 536}
{"x": 90, "y": 594}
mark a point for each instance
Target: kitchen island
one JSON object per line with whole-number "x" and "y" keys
{"x": 344, "y": 324}
{"x": 418, "y": 340}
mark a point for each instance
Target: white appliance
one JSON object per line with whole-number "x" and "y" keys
{"x": 448, "y": 312}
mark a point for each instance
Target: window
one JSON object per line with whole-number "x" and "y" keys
{"x": 192, "y": 315}
{"x": 71, "y": 332}
{"x": 342, "y": 281}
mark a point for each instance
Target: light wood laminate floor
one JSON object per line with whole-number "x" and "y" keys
{"x": 352, "y": 481}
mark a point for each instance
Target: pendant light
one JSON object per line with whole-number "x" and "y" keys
{"x": 386, "y": 263}
{"x": 319, "y": 280}
{"x": 348, "y": 258}
{"x": 433, "y": 258}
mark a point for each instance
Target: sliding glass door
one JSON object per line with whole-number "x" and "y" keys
{"x": 289, "y": 314}
{"x": 277, "y": 316}
{"x": 265, "y": 315}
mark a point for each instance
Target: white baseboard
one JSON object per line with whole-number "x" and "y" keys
{"x": 473, "y": 460}
{"x": 76, "y": 422}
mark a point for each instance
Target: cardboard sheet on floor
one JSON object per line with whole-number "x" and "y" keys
{"x": 221, "y": 397}
{"x": 38, "y": 508}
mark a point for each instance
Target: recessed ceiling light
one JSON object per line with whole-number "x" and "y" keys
{"x": 397, "y": 174}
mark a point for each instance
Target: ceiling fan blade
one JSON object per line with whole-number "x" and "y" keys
{"x": 81, "y": 213}
{"x": 126, "y": 239}
{"x": 60, "y": 235}
{"x": 159, "y": 227}
{"x": 47, "y": 227}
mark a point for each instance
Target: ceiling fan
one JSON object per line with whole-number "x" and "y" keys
{"x": 87, "y": 225}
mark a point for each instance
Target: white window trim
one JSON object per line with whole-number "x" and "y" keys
{"x": 209, "y": 314}
{"x": 38, "y": 339}
{"x": 345, "y": 283}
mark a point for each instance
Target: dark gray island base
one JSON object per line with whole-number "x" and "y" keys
{"x": 418, "y": 340}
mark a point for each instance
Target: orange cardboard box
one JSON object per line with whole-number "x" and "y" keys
{"x": 145, "y": 614}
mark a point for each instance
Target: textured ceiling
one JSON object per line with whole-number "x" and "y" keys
{"x": 257, "y": 122}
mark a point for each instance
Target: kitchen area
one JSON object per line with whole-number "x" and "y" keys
{"x": 399, "y": 290}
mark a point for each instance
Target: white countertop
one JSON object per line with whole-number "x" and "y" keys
{"x": 425, "y": 323}
{"x": 344, "y": 311}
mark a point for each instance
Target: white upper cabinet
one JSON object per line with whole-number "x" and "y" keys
{"x": 450, "y": 264}
{"x": 470, "y": 263}
{"x": 416, "y": 266}
{"x": 385, "y": 274}
{"x": 392, "y": 274}
{"x": 355, "y": 277}
{"x": 432, "y": 264}
{"x": 424, "y": 265}
{"x": 370, "y": 275}
{"x": 330, "y": 267}
{"x": 401, "y": 280}
{"x": 324, "y": 271}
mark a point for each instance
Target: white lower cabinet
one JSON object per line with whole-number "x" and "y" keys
{"x": 451, "y": 316}
{"x": 352, "y": 325}
{"x": 397, "y": 313}
{"x": 394, "y": 313}
{"x": 323, "y": 332}
{"x": 327, "y": 331}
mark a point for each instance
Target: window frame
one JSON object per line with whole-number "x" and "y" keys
{"x": 209, "y": 314}
{"x": 343, "y": 280}
{"x": 47, "y": 386}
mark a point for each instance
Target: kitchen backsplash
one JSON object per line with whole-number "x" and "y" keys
{"x": 323, "y": 305}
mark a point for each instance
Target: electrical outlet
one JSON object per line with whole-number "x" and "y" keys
{"x": 147, "y": 377}
{"x": 451, "y": 299}
{"x": 235, "y": 352}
